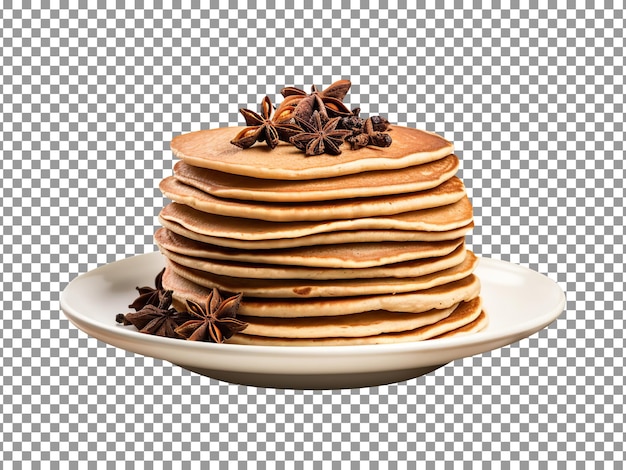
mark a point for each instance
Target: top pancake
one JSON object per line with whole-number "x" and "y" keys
{"x": 212, "y": 149}
{"x": 367, "y": 184}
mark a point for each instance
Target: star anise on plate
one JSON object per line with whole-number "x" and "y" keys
{"x": 320, "y": 136}
{"x": 149, "y": 295}
{"x": 264, "y": 127}
{"x": 159, "y": 320}
{"x": 215, "y": 321}
{"x": 329, "y": 102}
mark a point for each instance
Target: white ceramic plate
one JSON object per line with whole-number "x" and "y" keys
{"x": 518, "y": 301}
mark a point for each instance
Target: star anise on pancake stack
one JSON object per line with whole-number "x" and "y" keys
{"x": 215, "y": 321}
{"x": 328, "y": 102}
{"x": 364, "y": 132}
{"x": 320, "y": 136}
{"x": 295, "y": 116}
{"x": 264, "y": 128}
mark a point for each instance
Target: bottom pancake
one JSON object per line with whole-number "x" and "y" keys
{"x": 355, "y": 325}
{"x": 474, "y": 327}
{"x": 463, "y": 315}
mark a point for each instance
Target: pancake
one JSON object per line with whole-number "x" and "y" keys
{"x": 212, "y": 149}
{"x": 479, "y": 324}
{"x": 365, "y": 246}
{"x": 256, "y": 271}
{"x": 414, "y": 302}
{"x": 368, "y": 184}
{"x": 465, "y": 313}
{"x": 446, "y": 193}
{"x": 358, "y": 236}
{"x": 351, "y": 326}
{"x": 450, "y": 217}
{"x": 334, "y": 288}
{"x": 345, "y": 255}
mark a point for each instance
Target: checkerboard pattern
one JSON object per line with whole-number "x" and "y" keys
{"x": 531, "y": 93}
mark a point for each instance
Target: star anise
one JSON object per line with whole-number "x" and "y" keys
{"x": 149, "y": 295}
{"x": 264, "y": 128}
{"x": 159, "y": 320}
{"x": 214, "y": 321}
{"x": 364, "y": 132}
{"x": 329, "y": 102}
{"x": 320, "y": 136}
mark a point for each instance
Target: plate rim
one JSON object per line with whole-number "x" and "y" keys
{"x": 474, "y": 340}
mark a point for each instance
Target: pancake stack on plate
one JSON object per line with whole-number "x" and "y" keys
{"x": 365, "y": 247}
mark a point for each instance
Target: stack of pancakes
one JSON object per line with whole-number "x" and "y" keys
{"x": 362, "y": 248}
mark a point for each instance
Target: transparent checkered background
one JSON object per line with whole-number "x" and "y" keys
{"x": 533, "y": 98}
